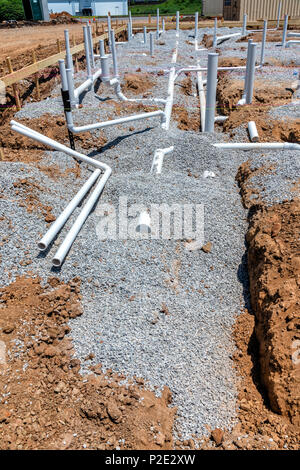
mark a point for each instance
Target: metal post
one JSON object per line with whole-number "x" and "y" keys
{"x": 263, "y": 44}
{"x": 87, "y": 53}
{"x": 177, "y": 22}
{"x": 91, "y": 46}
{"x": 69, "y": 60}
{"x": 114, "y": 53}
{"x": 215, "y": 33}
{"x": 285, "y": 27}
{"x": 196, "y": 24}
{"x": 244, "y": 30}
{"x": 279, "y": 14}
{"x": 151, "y": 44}
{"x": 211, "y": 91}
{"x": 250, "y": 86}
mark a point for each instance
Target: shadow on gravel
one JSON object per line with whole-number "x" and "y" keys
{"x": 117, "y": 141}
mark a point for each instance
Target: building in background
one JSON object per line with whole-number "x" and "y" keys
{"x": 259, "y": 9}
{"x": 36, "y": 10}
{"x": 212, "y": 7}
{"x": 89, "y": 7}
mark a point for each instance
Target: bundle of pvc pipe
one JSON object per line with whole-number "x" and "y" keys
{"x": 260, "y": 146}
{"x": 58, "y": 224}
{"x": 211, "y": 89}
{"x": 253, "y": 131}
{"x": 158, "y": 159}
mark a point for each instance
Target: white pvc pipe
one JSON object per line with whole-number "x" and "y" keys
{"x": 72, "y": 234}
{"x": 263, "y": 44}
{"x": 64, "y": 216}
{"x": 260, "y": 146}
{"x": 114, "y": 122}
{"x": 215, "y": 32}
{"x": 67, "y": 243}
{"x": 145, "y": 35}
{"x": 296, "y": 35}
{"x": 251, "y": 73}
{"x": 69, "y": 60}
{"x": 114, "y": 53}
{"x": 177, "y": 23}
{"x": 221, "y": 118}
{"x": 87, "y": 53}
{"x": 253, "y": 131}
{"x": 151, "y": 44}
{"x": 157, "y": 23}
{"x": 285, "y": 28}
{"x": 196, "y": 24}
{"x": 202, "y": 99}
{"x": 278, "y": 14}
{"x": 158, "y": 159}
{"x": 244, "y": 29}
{"x": 211, "y": 89}
{"x": 91, "y": 45}
{"x": 292, "y": 42}
{"x": 227, "y": 36}
{"x": 144, "y": 223}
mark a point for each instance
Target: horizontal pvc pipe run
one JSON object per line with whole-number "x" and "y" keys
{"x": 67, "y": 243}
{"x": 295, "y": 35}
{"x": 292, "y": 42}
{"x": 72, "y": 234}
{"x": 227, "y": 36}
{"x": 64, "y": 216}
{"x": 259, "y": 146}
{"x": 114, "y": 122}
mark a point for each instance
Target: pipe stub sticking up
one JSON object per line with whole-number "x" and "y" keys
{"x": 144, "y": 223}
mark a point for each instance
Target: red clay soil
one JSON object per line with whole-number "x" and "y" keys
{"x": 269, "y": 129}
{"x": 274, "y": 269}
{"x": 186, "y": 121}
{"x": 48, "y": 404}
{"x": 19, "y": 148}
{"x": 137, "y": 83}
{"x": 28, "y": 190}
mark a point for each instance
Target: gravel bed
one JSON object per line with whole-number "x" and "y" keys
{"x": 152, "y": 308}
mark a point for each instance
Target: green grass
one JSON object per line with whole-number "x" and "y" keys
{"x": 169, "y": 7}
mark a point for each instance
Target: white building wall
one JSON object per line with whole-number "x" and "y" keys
{"x": 99, "y": 7}
{"x": 212, "y": 7}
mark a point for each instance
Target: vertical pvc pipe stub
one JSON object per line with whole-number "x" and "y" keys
{"x": 211, "y": 91}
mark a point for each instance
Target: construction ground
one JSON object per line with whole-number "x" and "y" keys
{"x": 141, "y": 342}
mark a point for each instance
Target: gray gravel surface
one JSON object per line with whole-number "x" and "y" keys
{"x": 152, "y": 308}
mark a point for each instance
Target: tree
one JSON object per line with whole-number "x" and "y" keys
{"x": 11, "y": 10}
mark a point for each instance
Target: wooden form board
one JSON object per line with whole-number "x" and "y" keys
{"x": 25, "y": 72}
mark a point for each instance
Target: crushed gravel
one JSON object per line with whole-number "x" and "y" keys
{"x": 152, "y": 308}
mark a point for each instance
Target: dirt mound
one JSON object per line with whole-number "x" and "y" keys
{"x": 230, "y": 91}
{"x": 28, "y": 190}
{"x": 274, "y": 268}
{"x": 62, "y": 14}
{"x": 48, "y": 404}
{"x": 186, "y": 85}
{"x": 207, "y": 40}
{"x": 19, "y": 148}
{"x": 137, "y": 83}
{"x": 187, "y": 121}
{"x": 231, "y": 62}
